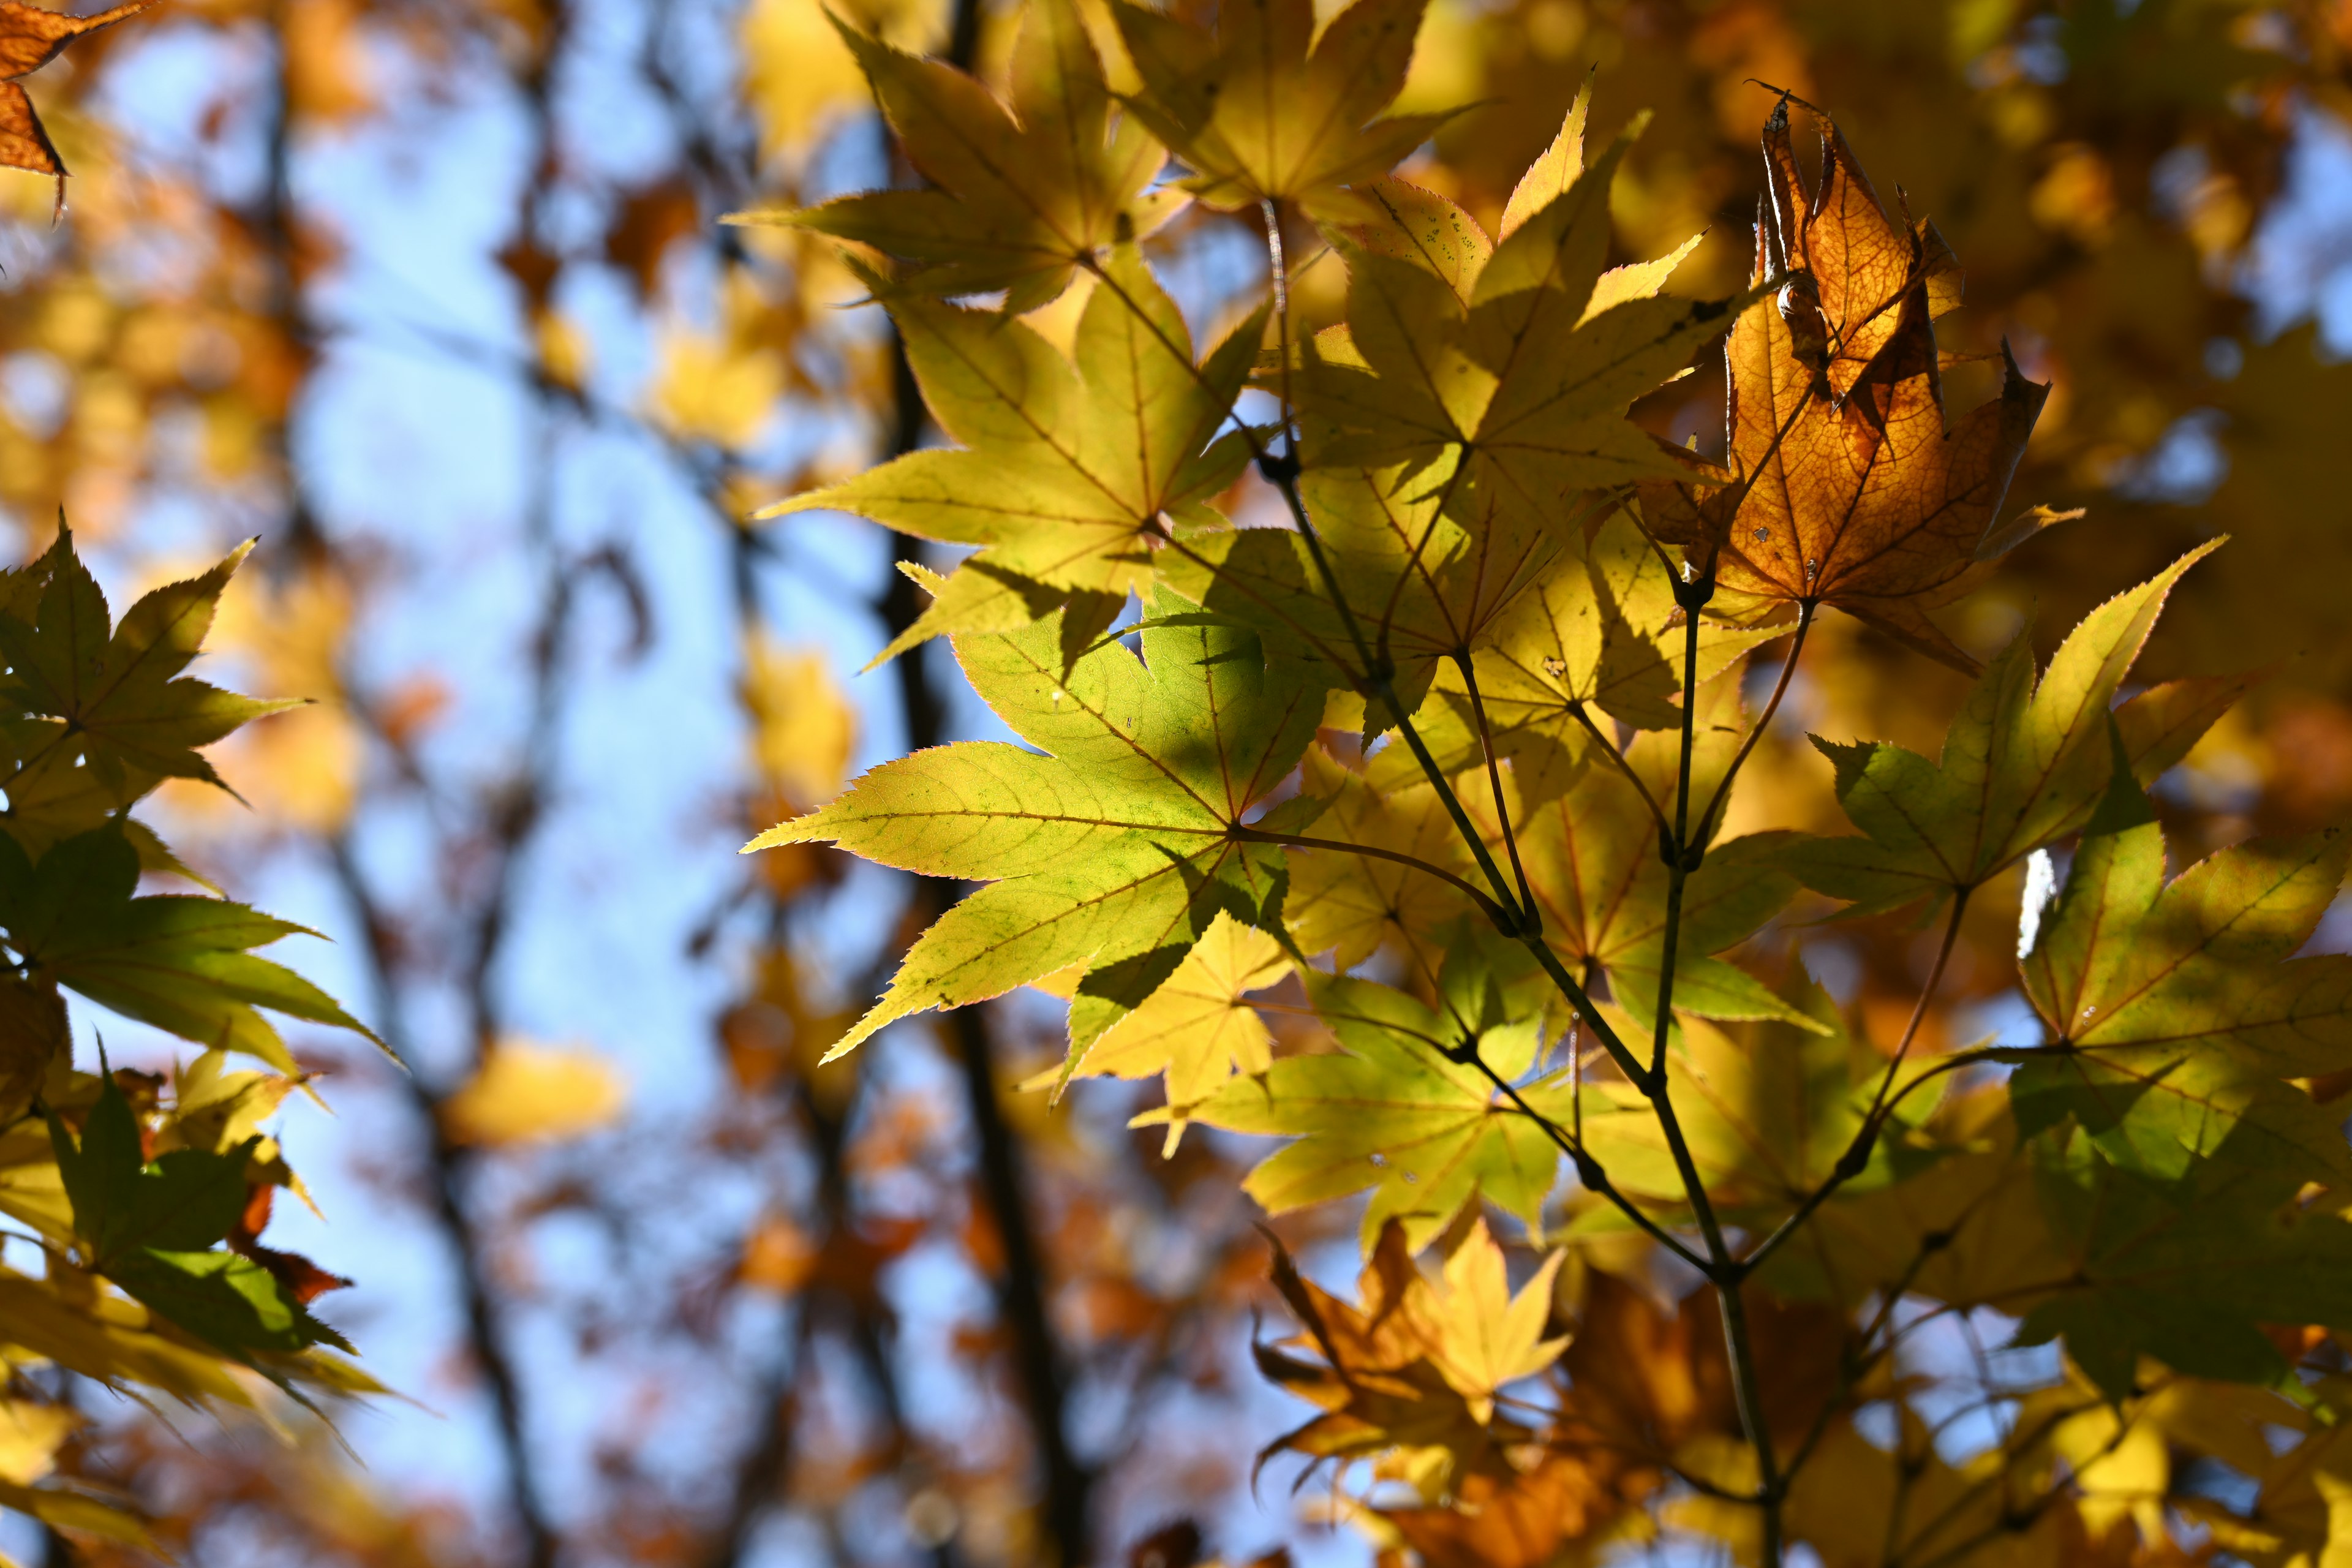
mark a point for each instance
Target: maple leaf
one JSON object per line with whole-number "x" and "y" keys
{"x": 97, "y": 719}
{"x": 178, "y": 963}
{"x": 1525, "y": 1520}
{"x": 1114, "y": 846}
{"x": 30, "y": 38}
{"x": 1848, "y": 489}
{"x": 1196, "y": 1030}
{"x": 1268, "y": 108}
{"x": 2174, "y": 1025}
{"x": 1482, "y": 1334}
{"x": 1394, "y": 1111}
{"x": 1450, "y": 429}
{"x": 1859, "y": 1505}
{"x": 1067, "y": 472}
{"x": 1420, "y": 583}
{"x": 2186, "y": 1270}
{"x": 1521, "y": 361}
{"x": 1350, "y": 906}
{"x": 1416, "y": 1367}
{"x": 1972, "y": 1233}
{"x": 1592, "y": 859}
{"x": 2024, "y": 763}
{"x": 1607, "y": 638}
{"x": 1027, "y": 195}
{"x": 152, "y": 1229}
{"x": 1377, "y": 1381}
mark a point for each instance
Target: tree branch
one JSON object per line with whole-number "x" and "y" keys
{"x": 1495, "y": 781}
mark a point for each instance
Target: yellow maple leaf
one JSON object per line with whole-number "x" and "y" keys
{"x": 524, "y": 1092}
{"x": 714, "y": 391}
{"x": 803, "y": 80}
{"x": 1196, "y": 1028}
{"x": 804, "y": 726}
{"x": 29, "y": 1435}
{"x": 1270, "y": 106}
{"x": 1481, "y": 1335}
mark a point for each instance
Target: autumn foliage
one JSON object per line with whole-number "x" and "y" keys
{"x": 1392, "y": 970}
{"x": 1526, "y": 943}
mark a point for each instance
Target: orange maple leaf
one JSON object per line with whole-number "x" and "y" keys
{"x": 31, "y": 38}
{"x": 1847, "y": 488}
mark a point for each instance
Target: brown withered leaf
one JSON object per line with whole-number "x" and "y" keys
{"x": 1847, "y": 486}
{"x": 1524, "y": 1522}
{"x": 30, "y": 38}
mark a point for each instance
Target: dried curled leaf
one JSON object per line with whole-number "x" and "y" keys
{"x": 1846, "y": 487}
{"x": 30, "y": 38}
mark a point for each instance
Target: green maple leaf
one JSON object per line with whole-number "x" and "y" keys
{"x": 2174, "y": 1021}
{"x": 1420, "y": 585}
{"x": 2184, "y": 1271}
{"x": 151, "y": 1226}
{"x": 1351, "y": 906}
{"x": 1266, "y": 108}
{"x": 1393, "y": 1111}
{"x": 1114, "y": 846}
{"x": 178, "y": 963}
{"x": 2023, "y": 765}
{"x": 1025, "y": 195}
{"x": 1067, "y": 473}
{"x": 1601, "y": 633}
{"x": 96, "y": 717}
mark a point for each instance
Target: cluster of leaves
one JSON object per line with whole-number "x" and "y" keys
{"x": 144, "y": 1199}
{"x": 1444, "y": 762}
{"x": 2103, "y": 167}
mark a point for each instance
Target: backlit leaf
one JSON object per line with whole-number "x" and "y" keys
{"x": 1113, "y": 846}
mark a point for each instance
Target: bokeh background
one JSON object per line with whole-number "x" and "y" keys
{"x": 433, "y": 297}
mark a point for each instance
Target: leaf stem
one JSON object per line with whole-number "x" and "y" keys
{"x": 1857, "y": 1158}
{"x": 1578, "y": 711}
{"x": 1489, "y": 907}
{"x": 1707, "y": 821}
{"x": 1588, "y": 1169}
{"x": 1676, "y": 849}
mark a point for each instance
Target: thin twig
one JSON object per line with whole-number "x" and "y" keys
{"x": 1486, "y": 906}
{"x": 1580, "y": 713}
{"x": 1857, "y": 1158}
{"x": 1588, "y": 1169}
{"x": 1763, "y": 721}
